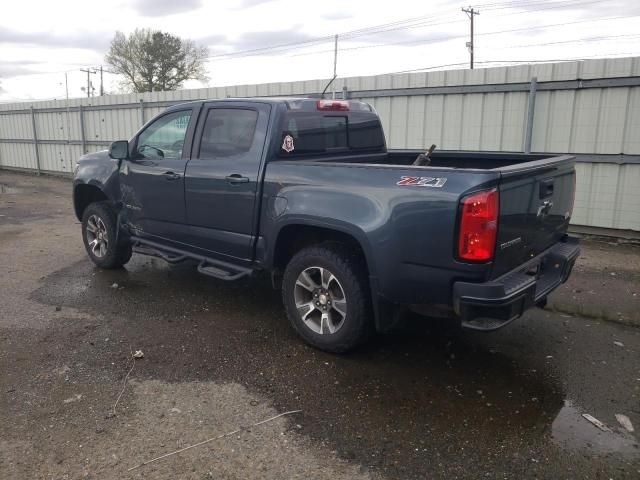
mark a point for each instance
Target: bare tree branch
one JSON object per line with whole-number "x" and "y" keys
{"x": 151, "y": 60}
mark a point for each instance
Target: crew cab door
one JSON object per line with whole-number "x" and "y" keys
{"x": 223, "y": 177}
{"x": 152, "y": 179}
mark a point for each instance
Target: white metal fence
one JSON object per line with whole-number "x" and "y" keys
{"x": 590, "y": 108}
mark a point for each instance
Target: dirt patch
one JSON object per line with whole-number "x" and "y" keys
{"x": 157, "y": 418}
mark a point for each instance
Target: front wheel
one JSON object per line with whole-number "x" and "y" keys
{"x": 99, "y": 232}
{"x": 326, "y": 295}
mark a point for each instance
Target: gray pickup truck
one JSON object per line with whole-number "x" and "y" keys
{"x": 306, "y": 190}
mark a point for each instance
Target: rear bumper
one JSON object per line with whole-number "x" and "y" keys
{"x": 491, "y": 305}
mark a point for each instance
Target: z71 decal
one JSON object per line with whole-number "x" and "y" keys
{"x": 422, "y": 181}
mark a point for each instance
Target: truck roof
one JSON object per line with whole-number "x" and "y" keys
{"x": 293, "y": 103}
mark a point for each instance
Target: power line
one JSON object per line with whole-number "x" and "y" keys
{"x": 565, "y": 4}
{"x": 520, "y": 4}
{"x": 558, "y": 25}
{"x": 402, "y": 24}
{"x": 448, "y": 38}
{"x": 416, "y": 24}
{"x": 576, "y": 40}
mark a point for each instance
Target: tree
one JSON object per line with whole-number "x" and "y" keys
{"x": 151, "y": 60}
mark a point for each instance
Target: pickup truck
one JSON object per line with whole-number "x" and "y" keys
{"x": 305, "y": 190}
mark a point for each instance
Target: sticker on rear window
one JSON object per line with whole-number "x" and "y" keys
{"x": 436, "y": 182}
{"x": 287, "y": 144}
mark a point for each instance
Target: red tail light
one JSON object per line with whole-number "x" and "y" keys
{"x": 478, "y": 226}
{"x": 333, "y": 105}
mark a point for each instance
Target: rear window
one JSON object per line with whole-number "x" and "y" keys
{"x": 313, "y": 133}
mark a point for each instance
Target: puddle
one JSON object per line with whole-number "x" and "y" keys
{"x": 572, "y": 431}
{"x": 10, "y": 190}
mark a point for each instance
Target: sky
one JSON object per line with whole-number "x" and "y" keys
{"x": 258, "y": 41}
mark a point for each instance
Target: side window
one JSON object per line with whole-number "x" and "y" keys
{"x": 228, "y": 132}
{"x": 164, "y": 138}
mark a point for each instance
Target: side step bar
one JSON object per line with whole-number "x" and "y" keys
{"x": 154, "y": 252}
{"x": 207, "y": 266}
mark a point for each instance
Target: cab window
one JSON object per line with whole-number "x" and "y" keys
{"x": 228, "y": 132}
{"x": 164, "y": 138}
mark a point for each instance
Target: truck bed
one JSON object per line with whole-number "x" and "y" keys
{"x": 466, "y": 160}
{"x": 535, "y": 195}
{"x": 442, "y": 159}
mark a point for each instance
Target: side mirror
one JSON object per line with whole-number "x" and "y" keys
{"x": 119, "y": 150}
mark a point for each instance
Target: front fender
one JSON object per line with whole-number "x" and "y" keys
{"x": 100, "y": 172}
{"x": 97, "y": 169}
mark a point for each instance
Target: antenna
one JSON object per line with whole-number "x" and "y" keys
{"x": 335, "y": 65}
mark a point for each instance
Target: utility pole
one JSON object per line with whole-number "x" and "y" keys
{"x": 335, "y": 61}
{"x": 66, "y": 89}
{"x": 89, "y": 73}
{"x": 101, "y": 83}
{"x": 471, "y": 12}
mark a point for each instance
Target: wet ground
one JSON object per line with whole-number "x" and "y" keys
{"x": 427, "y": 401}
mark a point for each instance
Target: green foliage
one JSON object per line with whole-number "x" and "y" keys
{"x": 151, "y": 60}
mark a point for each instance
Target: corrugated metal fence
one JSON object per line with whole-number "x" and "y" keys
{"x": 590, "y": 108}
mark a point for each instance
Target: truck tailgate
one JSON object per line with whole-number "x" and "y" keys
{"x": 536, "y": 202}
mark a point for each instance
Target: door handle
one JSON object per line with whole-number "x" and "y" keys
{"x": 235, "y": 179}
{"x": 171, "y": 175}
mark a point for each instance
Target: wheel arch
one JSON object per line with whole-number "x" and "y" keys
{"x": 293, "y": 236}
{"x": 285, "y": 246}
{"x": 85, "y": 194}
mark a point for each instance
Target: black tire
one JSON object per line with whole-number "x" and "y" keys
{"x": 116, "y": 252}
{"x": 349, "y": 270}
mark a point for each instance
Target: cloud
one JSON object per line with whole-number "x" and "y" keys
{"x": 405, "y": 36}
{"x": 98, "y": 41}
{"x": 336, "y": 16}
{"x": 252, "y": 3}
{"x": 269, "y": 38}
{"x": 220, "y": 45}
{"x": 160, "y": 8}
{"x": 213, "y": 40}
{"x": 10, "y": 68}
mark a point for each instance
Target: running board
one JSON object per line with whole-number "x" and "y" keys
{"x": 206, "y": 269}
{"x": 207, "y": 266}
{"x": 154, "y": 252}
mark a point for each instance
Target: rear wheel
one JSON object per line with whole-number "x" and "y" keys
{"x": 99, "y": 232}
{"x": 326, "y": 295}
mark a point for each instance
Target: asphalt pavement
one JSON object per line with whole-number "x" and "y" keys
{"x": 427, "y": 401}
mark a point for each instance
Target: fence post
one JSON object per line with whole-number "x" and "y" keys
{"x": 345, "y": 92}
{"x": 141, "y": 112}
{"x": 35, "y": 139}
{"x": 531, "y": 108}
{"x": 83, "y": 140}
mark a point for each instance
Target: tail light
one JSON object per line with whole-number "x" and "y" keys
{"x": 478, "y": 226}
{"x": 333, "y": 105}
{"x": 573, "y": 196}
